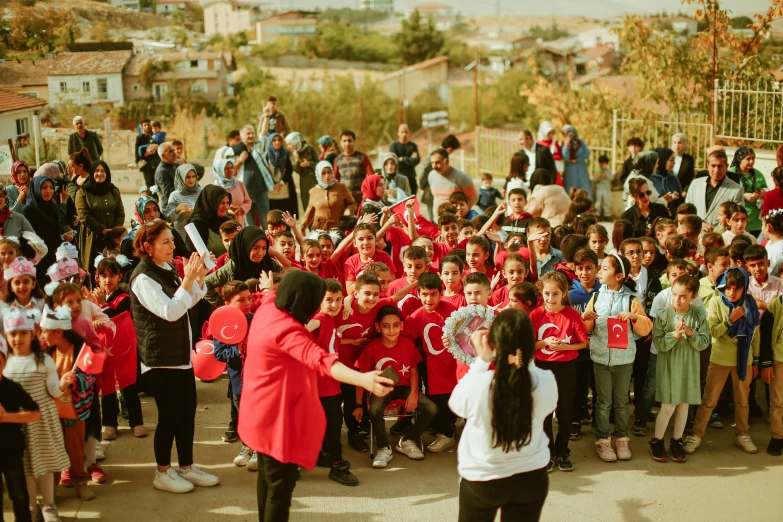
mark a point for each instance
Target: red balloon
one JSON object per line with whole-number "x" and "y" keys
{"x": 228, "y": 325}
{"x": 205, "y": 366}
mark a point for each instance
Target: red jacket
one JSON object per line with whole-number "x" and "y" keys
{"x": 280, "y": 412}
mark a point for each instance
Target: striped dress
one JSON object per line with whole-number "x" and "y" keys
{"x": 44, "y": 444}
{"x": 179, "y": 220}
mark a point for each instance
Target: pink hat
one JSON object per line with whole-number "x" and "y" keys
{"x": 19, "y": 267}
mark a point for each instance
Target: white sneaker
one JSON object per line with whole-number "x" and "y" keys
{"x": 692, "y": 443}
{"x": 99, "y": 452}
{"x": 605, "y": 451}
{"x": 50, "y": 514}
{"x": 744, "y": 442}
{"x": 383, "y": 457}
{"x": 244, "y": 456}
{"x": 623, "y": 451}
{"x": 252, "y": 464}
{"x": 172, "y": 482}
{"x": 409, "y": 448}
{"x": 198, "y": 477}
{"x": 441, "y": 443}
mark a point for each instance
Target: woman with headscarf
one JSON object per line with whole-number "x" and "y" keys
{"x": 249, "y": 256}
{"x": 57, "y": 172}
{"x": 392, "y": 181}
{"x": 226, "y": 177}
{"x": 664, "y": 180}
{"x": 303, "y": 158}
{"x": 209, "y": 212}
{"x": 283, "y": 195}
{"x": 183, "y": 198}
{"x": 644, "y": 164}
{"x": 546, "y": 138}
{"x": 43, "y": 214}
{"x": 18, "y": 191}
{"x": 99, "y": 207}
{"x": 329, "y": 149}
{"x": 283, "y": 419}
{"x": 684, "y": 164}
{"x": 11, "y": 223}
{"x": 753, "y": 184}
{"x": 329, "y": 200}
{"x": 372, "y": 192}
{"x": 575, "y": 154}
{"x": 547, "y": 200}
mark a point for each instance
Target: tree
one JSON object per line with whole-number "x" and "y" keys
{"x": 741, "y": 22}
{"x": 418, "y": 41}
{"x": 548, "y": 34}
{"x": 41, "y": 29}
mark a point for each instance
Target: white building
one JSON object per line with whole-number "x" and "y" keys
{"x": 598, "y": 36}
{"x": 16, "y": 122}
{"x": 88, "y": 78}
{"x": 231, "y": 17}
{"x": 387, "y": 6}
{"x": 169, "y": 6}
{"x": 127, "y": 4}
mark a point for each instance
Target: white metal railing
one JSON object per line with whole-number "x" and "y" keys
{"x": 748, "y": 112}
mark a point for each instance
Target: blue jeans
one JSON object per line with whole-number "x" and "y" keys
{"x": 644, "y": 405}
{"x": 258, "y": 211}
{"x": 612, "y": 384}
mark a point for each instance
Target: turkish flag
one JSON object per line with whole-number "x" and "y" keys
{"x": 89, "y": 361}
{"x": 617, "y": 333}
{"x": 423, "y": 226}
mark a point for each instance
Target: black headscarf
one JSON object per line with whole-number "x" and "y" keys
{"x": 663, "y": 156}
{"x": 92, "y": 186}
{"x": 300, "y": 294}
{"x": 205, "y": 210}
{"x": 644, "y": 162}
{"x": 740, "y": 155}
{"x": 50, "y": 210}
{"x": 239, "y": 252}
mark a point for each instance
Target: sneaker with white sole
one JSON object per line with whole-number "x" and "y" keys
{"x": 139, "y": 431}
{"x": 622, "y": 450}
{"x": 744, "y": 442}
{"x": 171, "y": 481}
{"x": 244, "y": 456}
{"x": 382, "y": 458}
{"x": 442, "y": 442}
{"x": 50, "y": 514}
{"x": 410, "y": 449}
{"x": 109, "y": 433}
{"x": 252, "y": 464}
{"x": 100, "y": 454}
{"x": 198, "y": 477}
{"x": 692, "y": 443}
{"x": 605, "y": 450}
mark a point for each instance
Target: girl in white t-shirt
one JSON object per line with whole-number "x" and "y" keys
{"x": 773, "y": 231}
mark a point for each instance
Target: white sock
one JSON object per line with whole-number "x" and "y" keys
{"x": 667, "y": 410}
{"x": 680, "y": 419}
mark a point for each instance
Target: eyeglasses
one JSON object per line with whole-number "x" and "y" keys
{"x": 647, "y": 193}
{"x": 629, "y": 253}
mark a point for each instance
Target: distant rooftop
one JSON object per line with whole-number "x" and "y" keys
{"x": 108, "y": 62}
{"x": 11, "y": 101}
{"x": 24, "y": 73}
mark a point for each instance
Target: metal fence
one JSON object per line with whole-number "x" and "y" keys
{"x": 747, "y": 112}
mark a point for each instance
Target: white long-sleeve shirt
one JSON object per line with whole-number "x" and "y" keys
{"x": 477, "y": 459}
{"x": 152, "y": 297}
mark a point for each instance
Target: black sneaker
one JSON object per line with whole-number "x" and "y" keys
{"x": 341, "y": 474}
{"x": 576, "y": 431}
{"x": 230, "y": 436}
{"x": 658, "y": 450}
{"x": 357, "y": 443}
{"x": 564, "y": 463}
{"x": 676, "y": 448}
{"x": 551, "y": 467}
{"x": 775, "y": 447}
{"x": 401, "y": 426}
{"x": 640, "y": 428}
{"x": 364, "y": 434}
{"x": 324, "y": 460}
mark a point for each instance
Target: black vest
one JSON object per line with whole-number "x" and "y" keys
{"x": 160, "y": 342}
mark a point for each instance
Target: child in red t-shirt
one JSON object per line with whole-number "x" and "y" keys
{"x": 414, "y": 266}
{"x": 560, "y": 332}
{"x": 515, "y": 268}
{"x": 324, "y": 330}
{"x": 398, "y": 352}
{"x": 451, "y": 268}
{"x": 477, "y": 252}
{"x": 523, "y": 296}
{"x": 426, "y": 326}
{"x": 364, "y": 241}
{"x": 382, "y": 273}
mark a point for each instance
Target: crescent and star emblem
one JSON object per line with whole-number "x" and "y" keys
{"x": 428, "y": 342}
{"x": 379, "y": 364}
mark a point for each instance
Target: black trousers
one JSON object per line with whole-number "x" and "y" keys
{"x": 444, "y": 421}
{"x": 274, "y": 489}
{"x": 413, "y": 183}
{"x": 565, "y": 375}
{"x": 149, "y": 177}
{"x": 520, "y": 498}
{"x": 334, "y": 426}
{"x": 349, "y": 404}
{"x": 12, "y": 468}
{"x": 111, "y": 407}
{"x": 639, "y": 375}
{"x": 584, "y": 383}
{"x": 175, "y": 396}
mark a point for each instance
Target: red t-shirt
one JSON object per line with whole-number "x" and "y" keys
{"x": 439, "y": 251}
{"x": 402, "y": 358}
{"x": 326, "y": 337}
{"x": 328, "y": 270}
{"x": 499, "y": 297}
{"x": 488, "y": 271}
{"x": 408, "y": 304}
{"x": 456, "y": 300}
{"x": 441, "y": 365}
{"x": 399, "y": 242}
{"x": 354, "y": 267}
{"x": 357, "y": 326}
{"x": 566, "y": 325}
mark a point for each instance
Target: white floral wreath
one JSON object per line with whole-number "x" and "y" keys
{"x": 486, "y": 313}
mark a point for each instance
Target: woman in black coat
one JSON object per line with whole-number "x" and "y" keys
{"x": 684, "y": 164}
{"x": 643, "y": 213}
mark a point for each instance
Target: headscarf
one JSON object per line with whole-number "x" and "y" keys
{"x": 682, "y": 136}
{"x": 386, "y": 157}
{"x": 575, "y": 142}
{"x": 325, "y": 140}
{"x": 663, "y": 156}
{"x": 300, "y": 294}
{"x": 205, "y": 209}
{"x": 740, "y": 155}
{"x": 277, "y": 158}
{"x": 239, "y": 252}
{"x": 179, "y": 180}
{"x": 138, "y": 208}
{"x": 92, "y": 186}
{"x": 644, "y": 162}
{"x": 745, "y": 326}
{"x": 219, "y": 170}
{"x": 62, "y": 166}
{"x": 50, "y": 170}
{"x": 544, "y": 129}
{"x": 14, "y": 175}
{"x": 297, "y": 140}
{"x": 318, "y": 169}
{"x": 370, "y": 188}
{"x": 5, "y": 212}
{"x": 50, "y": 210}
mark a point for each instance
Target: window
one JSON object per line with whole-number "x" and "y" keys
{"x": 199, "y": 86}
{"x": 86, "y": 87}
{"x": 135, "y": 87}
{"x": 63, "y": 87}
{"x": 193, "y": 64}
{"x": 22, "y": 125}
{"x": 103, "y": 85}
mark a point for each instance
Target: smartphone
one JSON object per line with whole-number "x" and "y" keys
{"x": 389, "y": 373}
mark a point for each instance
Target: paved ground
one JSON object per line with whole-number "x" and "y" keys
{"x": 720, "y": 482}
